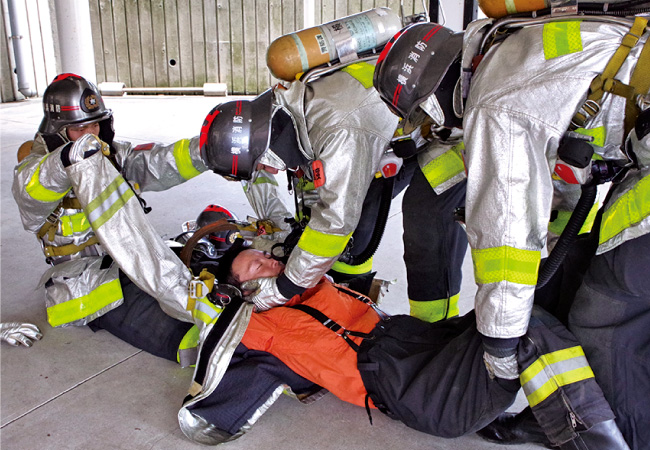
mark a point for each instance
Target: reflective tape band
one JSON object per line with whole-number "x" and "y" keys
{"x": 206, "y": 311}
{"x": 435, "y": 310}
{"x": 511, "y": 8}
{"x": 560, "y": 222}
{"x": 341, "y": 267}
{"x": 561, "y": 38}
{"x": 261, "y": 179}
{"x": 445, "y": 166}
{"x": 322, "y": 244}
{"x": 78, "y": 308}
{"x": 183, "y": 159}
{"x": 599, "y": 134}
{"x": 304, "y": 61}
{"x": 552, "y": 370}
{"x": 75, "y": 223}
{"x": 38, "y": 192}
{"x": 492, "y": 265}
{"x": 629, "y": 209}
{"x": 188, "y": 349}
{"x": 101, "y": 209}
{"x": 363, "y": 72}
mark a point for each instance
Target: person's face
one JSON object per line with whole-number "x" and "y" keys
{"x": 75, "y": 132}
{"x": 251, "y": 264}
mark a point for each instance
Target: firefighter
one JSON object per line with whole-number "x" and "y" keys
{"x": 330, "y": 134}
{"x": 538, "y": 95}
{"x": 78, "y": 193}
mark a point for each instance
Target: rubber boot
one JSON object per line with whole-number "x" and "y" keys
{"x": 511, "y": 429}
{"x": 602, "y": 436}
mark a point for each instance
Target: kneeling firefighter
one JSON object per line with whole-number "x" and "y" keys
{"x": 77, "y": 191}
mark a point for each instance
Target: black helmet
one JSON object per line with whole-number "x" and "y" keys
{"x": 235, "y": 134}
{"x": 71, "y": 99}
{"x": 222, "y": 240}
{"x": 421, "y": 60}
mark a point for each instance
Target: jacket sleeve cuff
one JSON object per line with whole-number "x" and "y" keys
{"x": 287, "y": 288}
{"x": 500, "y": 348}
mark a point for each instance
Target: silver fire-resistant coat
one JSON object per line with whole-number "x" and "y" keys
{"x": 521, "y": 102}
{"x": 79, "y": 288}
{"x": 342, "y": 124}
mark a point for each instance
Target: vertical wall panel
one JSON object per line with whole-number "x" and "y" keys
{"x": 132, "y": 28}
{"x": 198, "y": 40}
{"x": 120, "y": 35}
{"x": 146, "y": 43}
{"x": 185, "y": 53}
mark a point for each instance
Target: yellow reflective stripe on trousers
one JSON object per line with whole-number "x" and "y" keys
{"x": 263, "y": 179}
{"x": 38, "y": 192}
{"x": 445, "y": 166}
{"x": 188, "y": 348}
{"x": 435, "y": 310}
{"x": 552, "y": 370}
{"x": 322, "y": 244}
{"x": 101, "y": 209}
{"x": 78, "y": 308}
{"x": 353, "y": 270}
{"x": 561, "y": 38}
{"x": 183, "y": 159}
{"x": 362, "y": 72}
{"x": 629, "y": 209}
{"x": 492, "y": 265}
{"x": 75, "y": 223}
{"x": 206, "y": 311}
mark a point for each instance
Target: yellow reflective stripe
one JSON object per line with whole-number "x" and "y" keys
{"x": 445, "y": 166}
{"x": 75, "y": 223}
{"x": 561, "y": 38}
{"x": 183, "y": 159}
{"x": 102, "y": 208}
{"x": 84, "y": 306}
{"x": 559, "y": 224}
{"x": 322, "y": 244}
{"x": 206, "y": 311}
{"x": 492, "y": 265}
{"x": 435, "y": 310}
{"x": 552, "y": 370}
{"x": 341, "y": 267}
{"x": 22, "y": 166}
{"x": 261, "y": 179}
{"x": 38, "y": 192}
{"x": 305, "y": 185}
{"x": 362, "y": 72}
{"x": 629, "y": 209}
{"x": 599, "y": 134}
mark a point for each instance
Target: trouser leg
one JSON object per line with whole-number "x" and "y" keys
{"x": 142, "y": 323}
{"x": 247, "y": 386}
{"x": 559, "y": 384}
{"x": 434, "y": 248}
{"x": 611, "y": 318}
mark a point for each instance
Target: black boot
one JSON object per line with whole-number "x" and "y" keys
{"x": 602, "y": 436}
{"x": 510, "y": 428}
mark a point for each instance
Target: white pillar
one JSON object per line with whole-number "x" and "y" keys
{"x": 22, "y": 53}
{"x": 75, "y": 38}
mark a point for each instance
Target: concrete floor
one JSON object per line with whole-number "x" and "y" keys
{"x": 76, "y": 389}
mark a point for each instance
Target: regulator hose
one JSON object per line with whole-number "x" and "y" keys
{"x": 378, "y": 230}
{"x": 569, "y": 234}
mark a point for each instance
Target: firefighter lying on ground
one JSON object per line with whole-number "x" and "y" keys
{"x": 542, "y": 97}
{"x": 78, "y": 192}
{"x": 431, "y": 376}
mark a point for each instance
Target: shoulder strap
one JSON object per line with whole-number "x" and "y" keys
{"x": 335, "y": 327}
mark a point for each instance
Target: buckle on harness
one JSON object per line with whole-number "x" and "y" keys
{"x": 198, "y": 288}
{"x": 588, "y": 110}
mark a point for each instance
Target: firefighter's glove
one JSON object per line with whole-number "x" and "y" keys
{"x": 263, "y": 293}
{"x": 500, "y": 357}
{"x": 16, "y": 334}
{"x": 84, "y": 147}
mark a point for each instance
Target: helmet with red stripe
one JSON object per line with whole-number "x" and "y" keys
{"x": 416, "y": 74}
{"x": 72, "y": 100}
{"x": 236, "y": 134}
{"x": 222, "y": 240}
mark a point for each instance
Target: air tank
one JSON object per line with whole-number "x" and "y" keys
{"x": 499, "y": 8}
{"x": 295, "y": 53}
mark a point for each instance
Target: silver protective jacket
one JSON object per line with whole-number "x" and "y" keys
{"x": 101, "y": 206}
{"x": 521, "y": 101}
{"x": 344, "y": 126}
